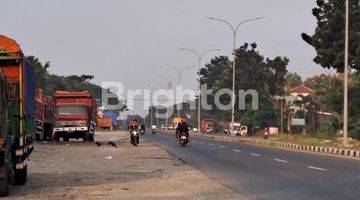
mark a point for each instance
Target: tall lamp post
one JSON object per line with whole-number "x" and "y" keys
{"x": 234, "y": 31}
{"x": 199, "y": 56}
{"x": 168, "y": 86}
{"x": 179, "y": 73}
{"x": 346, "y": 71}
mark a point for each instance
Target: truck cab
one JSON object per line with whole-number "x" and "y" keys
{"x": 75, "y": 116}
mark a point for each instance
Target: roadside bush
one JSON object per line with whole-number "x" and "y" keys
{"x": 327, "y": 130}
{"x": 355, "y": 133}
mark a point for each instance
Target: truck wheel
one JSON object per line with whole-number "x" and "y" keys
{"x": 20, "y": 176}
{"x": 66, "y": 139}
{"x": 86, "y": 137}
{"x": 56, "y": 138}
{"x": 91, "y": 138}
{"x": 4, "y": 184}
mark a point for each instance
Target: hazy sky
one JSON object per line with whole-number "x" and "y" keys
{"x": 131, "y": 40}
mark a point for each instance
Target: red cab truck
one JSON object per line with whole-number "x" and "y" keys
{"x": 208, "y": 126}
{"x": 75, "y": 116}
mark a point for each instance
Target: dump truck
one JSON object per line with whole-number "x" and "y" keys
{"x": 104, "y": 123}
{"x": 75, "y": 116}
{"x": 17, "y": 94}
{"x": 44, "y": 115}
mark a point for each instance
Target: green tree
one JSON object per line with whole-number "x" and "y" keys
{"x": 328, "y": 39}
{"x": 293, "y": 80}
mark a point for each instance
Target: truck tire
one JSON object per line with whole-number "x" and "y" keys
{"x": 57, "y": 138}
{"x": 4, "y": 184}
{"x": 91, "y": 138}
{"x": 66, "y": 139}
{"x": 20, "y": 176}
{"x": 86, "y": 137}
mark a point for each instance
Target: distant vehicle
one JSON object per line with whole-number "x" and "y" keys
{"x": 238, "y": 129}
{"x": 153, "y": 129}
{"x": 163, "y": 126}
{"x": 17, "y": 120}
{"x": 208, "y": 126}
{"x": 75, "y": 116}
{"x": 134, "y": 138}
{"x": 44, "y": 116}
{"x": 104, "y": 123}
{"x": 183, "y": 138}
{"x": 142, "y": 129}
{"x": 171, "y": 127}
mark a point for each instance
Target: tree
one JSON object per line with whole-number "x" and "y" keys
{"x": 292, "y": 80}
{"x": 253, "y": 71}
{"x": 328, "y": 39}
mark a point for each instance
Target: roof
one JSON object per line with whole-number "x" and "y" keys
{"x": 72, "y": 94}
{"x": 301, "y": 90}
{"x": 9, "y": 44}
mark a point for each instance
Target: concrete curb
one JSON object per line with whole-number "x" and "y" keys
{"x": 325, "y": 150}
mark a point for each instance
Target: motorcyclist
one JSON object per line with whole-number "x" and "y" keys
{"x": 133, "y": 125}
{"x": 182, "y": 127}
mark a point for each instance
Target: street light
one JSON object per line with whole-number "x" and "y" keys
{"x": 168, "y": 85}
{"x": 199, "y": 56}
{"x": 346, "y": 71}
{"x": 179, "y": 72}
{"x": 234, "y": 30}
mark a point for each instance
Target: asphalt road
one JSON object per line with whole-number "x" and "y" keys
{"x": 268, "y": 173}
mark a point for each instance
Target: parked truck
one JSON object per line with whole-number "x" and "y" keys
{"x": 75, "y": 116}
{"x": 104, "y": 123}
{"x": 44, "y": 115}
{"x": 17, "y": 94}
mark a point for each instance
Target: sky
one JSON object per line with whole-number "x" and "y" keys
{"x": 131, "y": 41}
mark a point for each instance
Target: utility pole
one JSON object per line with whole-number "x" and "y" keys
{"x": 179, "y": 73}
{"x": 346, "y": 65}
{"x": 234, "y": 32}
{"x": 168, "y": 86}
{"x": 199, "y": 56}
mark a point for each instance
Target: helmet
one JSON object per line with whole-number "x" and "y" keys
{"x": 182, "y": 121}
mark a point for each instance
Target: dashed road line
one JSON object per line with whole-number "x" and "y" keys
{"x": 201, "y": 142}
{"x": 211, "y": 144}
{"x": 236, "y": 150}
{"x": 221, "y": 146}
{"x": 316, "y": 168}
{"x": 279, "y": 160}
{"x": 255, "y": 154}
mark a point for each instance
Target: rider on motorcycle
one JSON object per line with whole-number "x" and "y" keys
{"x": 182, "y": 127}
{"x": 133, "y": 125}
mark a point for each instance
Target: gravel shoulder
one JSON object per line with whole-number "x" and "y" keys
{"x": 78, "y": 170}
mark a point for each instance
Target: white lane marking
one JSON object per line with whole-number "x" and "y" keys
{"x": 221, "y": 146}
{"x": 210, "y": 144}
{"x": 236, "y": 150}
{"x": 279, "y": 160}
{"x": 201, "y": 142}
{"x": 317, "y": 168}
{"x": 255, "y": 154}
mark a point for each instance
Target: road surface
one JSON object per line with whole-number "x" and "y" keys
{"x": 269, "y": 173}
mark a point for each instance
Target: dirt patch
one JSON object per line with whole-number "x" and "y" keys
{"x": 78, "y": 170}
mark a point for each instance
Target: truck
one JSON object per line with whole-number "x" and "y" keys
{"x": 104, "y": 123}
{"x": 17, "y": 94}
{"x": 75, "y": 116}
{"x": 44, "y": 115}
{"x": 208, "y": 126}
{"x": 238, "y": 129}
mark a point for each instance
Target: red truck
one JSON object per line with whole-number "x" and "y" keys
{"x": 44, "y": 115}
{"x": 75, "y": 116}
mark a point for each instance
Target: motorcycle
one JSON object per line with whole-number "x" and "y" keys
{"x": 134, "y": 138}
{"x": 183, "y": 138}
{"x": 153, "y": 129}
{"x": 142, "y": 131}
{"x": 266, "y": 134}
